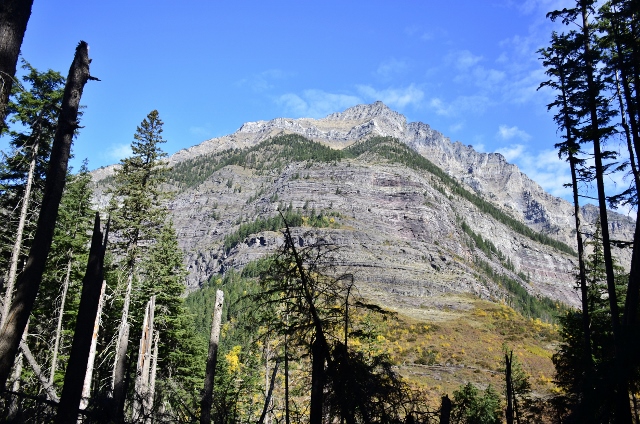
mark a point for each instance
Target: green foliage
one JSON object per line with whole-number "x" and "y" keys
{"x": 136, "y": 195}
{"x": 33, "y": 111}
{"x": 472, "y": 407}
{"x": 270, "y": 154}
{"x": 568, "y": 360}
{"x": 529, "y": 305}
{"x": 276, "y": 222}
{"x": 394, "y": 151}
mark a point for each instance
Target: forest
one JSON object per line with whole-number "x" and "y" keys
{"x": 96, "y": 325}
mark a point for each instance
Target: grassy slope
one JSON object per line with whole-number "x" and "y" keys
{"x": 441, "y": 348}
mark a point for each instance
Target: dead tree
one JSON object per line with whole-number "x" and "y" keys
{"x": 212, "y": 359}
{"x": 141, "y": 392}
{"x": 14, "y": 16}
{"x": 17, "y": 245}
{"x": 86, "y": 387}
{"x": 28, "y": 283}
{"x": 82, "y": 339}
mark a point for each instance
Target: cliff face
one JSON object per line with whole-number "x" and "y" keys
{"x": 400, "y": 231}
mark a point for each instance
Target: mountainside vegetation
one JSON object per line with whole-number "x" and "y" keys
{"x": 354, "y": 285}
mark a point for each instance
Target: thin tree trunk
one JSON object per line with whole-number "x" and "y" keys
{"x": 31, "y": 360}
{"x": 17, "y": 373}
{"x": 212, "y": 360}
{"x": 623, "y": 410}
{"x": 86, "y": 387}
{"x": 445, "y": 410}
{"x": 14, "y": 16}
{"x": 83, "y": 335}
{"x": 17, "y": 245}
{"x": 119, "y": 373}
{"x": 119, "y": 363}
{"x": 286, "y": 380}
{"x": 28, "y": 283}
{"x": 267, "y": 400}
{"x": 56, "y": 345}
{"x": 317, "y": 382}
{"x": 509, "y": 412}
{"x": 152, "y": 376}
{"x": 141, "y": 388}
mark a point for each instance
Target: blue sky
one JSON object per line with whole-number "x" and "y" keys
{"x": 467, "y": 68}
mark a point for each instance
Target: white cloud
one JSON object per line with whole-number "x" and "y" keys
{"x": 463, "y": 59}
{"x": 507, "y": 133}
{"x": 544, "y": 167}
{"x": 316, "y": 103}
{"x": 475, "y": 104}
{"x": 456, "y": 127}
{"x": 511, "y": 153}
{"x": 119, "y": 151}
{"x": 393, "y": 97}
{"x": 391, "y": 67}
{"x": 262, "y": 81}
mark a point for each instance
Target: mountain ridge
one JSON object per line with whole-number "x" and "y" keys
{"x": 386, "y": 209}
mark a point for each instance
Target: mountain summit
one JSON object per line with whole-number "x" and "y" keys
{"x": 417, "y": 215}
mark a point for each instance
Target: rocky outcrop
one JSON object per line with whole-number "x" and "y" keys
{"x": 399, "y": 233}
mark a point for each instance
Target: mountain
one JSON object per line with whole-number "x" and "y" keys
{"x": 419, "y": 219}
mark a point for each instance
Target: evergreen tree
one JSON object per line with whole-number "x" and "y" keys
{"x": 35, "y": 112}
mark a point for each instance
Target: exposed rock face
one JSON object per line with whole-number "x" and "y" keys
{"x": 399, "y": 234}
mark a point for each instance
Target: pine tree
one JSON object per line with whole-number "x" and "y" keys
{"x": 35, "y": 111}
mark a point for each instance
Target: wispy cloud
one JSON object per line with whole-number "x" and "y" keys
{"x": 392, "y": 67}
{"x": 544, "y": 167}
{"x": 118, "y": 151}
{"x": 316, "y": 103}
{"x": 463, "y": 59}
{"x": 393, "y": 97}
{"x": 262, "y": 81}
{"x": 476, "y": 104}
{"x": 507, "y": 133}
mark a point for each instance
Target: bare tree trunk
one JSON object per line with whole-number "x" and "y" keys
{"x": 17, "y": 245}
{"x": 212, "y": 359}
{"x": 83, "y": 335}
{"x": 317, "y": 382}
{"x": 17, "y": 372}
{"x": 56, "y": 344}
{"x": 445, "y": 410}
{"x": 123, "y": 323}
{"x": 86, "y": 387}
{"x": 507, "y": 363}
{"x": 267, "y": 400}
{"x": 141, "y": 389}
{"x": 119, "y": 372}
{"x": 152, "y": 377}
{"x": 28, "y": 283}
{"x": 14, "y": 16}
{"x": 31, "y": 360}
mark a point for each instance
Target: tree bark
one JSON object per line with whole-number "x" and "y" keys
{"x": 119, "y": 363}
{"x": 51, "y": 393}
{"x": 267, "y": 400}
{"x": 144, "y": 362}
{"x": 317, "y": 382}
{"x": 152, "y": 375}
{"x": 17, "y": 245}
{"x": 507, "y": 363}
{"x": 445, "y": 410}
{"x": 28, "y": 283}
{"x": 82, "y": 339}
{"x": 56, "y": 344}
{"x": 14, "y": 16}
{"x": 212, "y": 359}
{"x": 119, "y": 373}
{"x": 17, "y": 372}
{"x": 86, "y": 387}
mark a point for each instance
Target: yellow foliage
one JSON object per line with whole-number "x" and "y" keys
{"x": 233, "y": 359}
